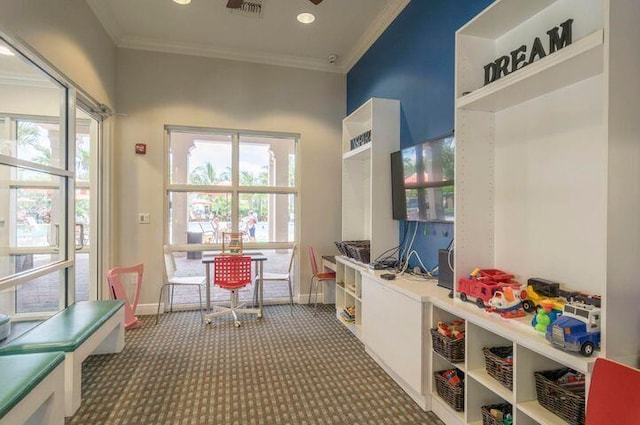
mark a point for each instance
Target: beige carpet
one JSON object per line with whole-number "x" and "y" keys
{"x": 305, "y": 369}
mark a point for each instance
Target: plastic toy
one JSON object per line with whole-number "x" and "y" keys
{"x": 454, "y": 329}
{"x": 506, "y": 303}
{"x": 578, "y": 329}
{"x": 541, "y": 320}
{"x": 481, "y": 285}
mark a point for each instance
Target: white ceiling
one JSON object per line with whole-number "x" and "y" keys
{"x": 207, "y": 28}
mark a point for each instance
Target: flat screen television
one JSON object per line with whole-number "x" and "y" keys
{"x": 422, "y": 181}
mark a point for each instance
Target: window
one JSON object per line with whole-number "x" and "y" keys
{"x": 231, "y": 181}
{"x": 44, "y": 243}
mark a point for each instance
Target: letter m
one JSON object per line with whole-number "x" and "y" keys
{"x": 556, "y": 40}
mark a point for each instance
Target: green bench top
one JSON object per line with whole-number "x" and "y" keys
{"x": 66, "y": 330}
{"x": 21, "y": 373}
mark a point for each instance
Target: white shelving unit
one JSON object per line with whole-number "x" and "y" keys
{"x": 546, "y": 183}
{"x": 349, "y": 293}
{"x": 366, "y": 174}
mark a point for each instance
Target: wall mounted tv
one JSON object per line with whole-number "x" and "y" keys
{"x": 422, "y": 181}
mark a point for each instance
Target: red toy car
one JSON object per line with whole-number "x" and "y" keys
{"x": 481, "y": 285}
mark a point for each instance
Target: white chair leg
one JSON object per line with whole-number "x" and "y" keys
{"x": 290, "y": 295}
{"x": 159, "y": 301}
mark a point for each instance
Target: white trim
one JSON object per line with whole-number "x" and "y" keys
{"x": 375, "y": 30}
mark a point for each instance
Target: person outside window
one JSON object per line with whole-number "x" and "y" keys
{"x": 252, "y": 219}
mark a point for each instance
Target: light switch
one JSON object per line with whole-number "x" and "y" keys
{"x": 144, "y": 218}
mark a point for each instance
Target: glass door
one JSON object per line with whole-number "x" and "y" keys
{"x": 86, "y": 205}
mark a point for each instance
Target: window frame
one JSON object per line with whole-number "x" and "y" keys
{"x": 235, "y": 190}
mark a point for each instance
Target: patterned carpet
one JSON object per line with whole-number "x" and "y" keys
{"x": 307, "y": 369}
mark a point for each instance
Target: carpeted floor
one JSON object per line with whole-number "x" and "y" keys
{"x": 305, "y": 369}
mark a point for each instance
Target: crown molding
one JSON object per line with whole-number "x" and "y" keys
{"x": 377, "y": 27}
{"x": 106, "y": 18}
{"x": 375, "y": 30}
{"x": 229, "y": 54}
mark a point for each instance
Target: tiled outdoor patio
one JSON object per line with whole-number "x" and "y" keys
{"x": 41, "y": 295}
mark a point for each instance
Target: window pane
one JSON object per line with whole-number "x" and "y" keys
{"x": 198, "y": 217}
{"x": 36, "y": 139}
{"x": 267, "y": 161}
{"x": 33, "y": 218}
{"x": 36, "y": 296}
{"x": 200, "y": 159}
{"x": 267, "y": 217}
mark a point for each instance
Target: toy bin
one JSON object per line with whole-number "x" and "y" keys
{"x": 562, "y": 391}
{"x": 495, "y": 414}
{"x": 449, "y": 347}
{"x": 451, "y": 391}
{"x": 499, "y": 364}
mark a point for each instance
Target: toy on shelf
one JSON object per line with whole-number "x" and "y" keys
{"x": 454, "y": 329}
{"x": 578, "y": 329}
{"x": 547, "y": 313}
{"x": 506, "y": 303}
{"x": 543, "y": 290}
{"x": 481, "y": 285}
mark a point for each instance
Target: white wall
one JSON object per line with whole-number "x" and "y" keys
{"x": 155, "y": 89}
{"x": 68, "y": 36}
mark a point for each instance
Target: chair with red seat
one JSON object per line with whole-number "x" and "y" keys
{"x": 317, "y": 277}
{"x": 614, "y": 397}
{"x": 232, "y": 273}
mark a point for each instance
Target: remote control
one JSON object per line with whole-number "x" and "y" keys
{"x": 388, "y": 276}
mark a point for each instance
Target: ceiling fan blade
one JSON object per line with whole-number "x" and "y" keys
{"x": 234, "y": 4}
{"x": 316, "y": 2}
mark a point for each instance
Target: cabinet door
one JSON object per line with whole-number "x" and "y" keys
{"x": 392, "y": 330}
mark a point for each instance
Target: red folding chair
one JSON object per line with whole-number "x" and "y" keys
{"x": 317, "y": 277}
{"x": 232, "y": 273}
{"x": 614, "y": 394}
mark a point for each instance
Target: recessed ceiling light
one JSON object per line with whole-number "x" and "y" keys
{"x": 182, "y": 1}
{"x": 306, "y": 18}
{"x": 5, "y": 51}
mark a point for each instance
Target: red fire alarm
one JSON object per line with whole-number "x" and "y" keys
{"x": 141, "y": 148}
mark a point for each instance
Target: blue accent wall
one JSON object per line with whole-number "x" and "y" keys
{"x": 413, "y": 61}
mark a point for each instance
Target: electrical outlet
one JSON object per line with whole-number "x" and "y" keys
{"x": 144, "y": 218}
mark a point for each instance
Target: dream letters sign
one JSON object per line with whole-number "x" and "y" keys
{"x": 559, "y": 37}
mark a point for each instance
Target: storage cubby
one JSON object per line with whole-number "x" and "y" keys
{"x": 526, "y": 399}
{"x": 478, "y": 395}
{"x": 477, "y": 339}
{"x": 349, "y": 293}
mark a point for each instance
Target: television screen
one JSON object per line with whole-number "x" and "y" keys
{"x": 426, "y": 176}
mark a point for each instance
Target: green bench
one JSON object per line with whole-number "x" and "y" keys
{"x": 32, "y": 390}
{"x": 82, "y": 329}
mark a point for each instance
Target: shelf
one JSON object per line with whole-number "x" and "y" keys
{"x": 439, "y": 406}
{"x": 581, "y": 60}
{"x": 482, "y": 377}
{"x": 535, "y": 411}
{"x": 501, "y": 17}
{"x": 361, "y": 153}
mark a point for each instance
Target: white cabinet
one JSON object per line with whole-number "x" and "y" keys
{"x": 546, "y": 157}
{"x": 366, "y": 174}
{"x": 393, "y": 329}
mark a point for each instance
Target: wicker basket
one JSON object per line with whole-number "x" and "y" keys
{"x": 454, "y": 396}
{"x": 487, "y": 417}
{"x": 495, "y": 359}
{"x": 448, "y": 347}
{"x": 568, "y": 403}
